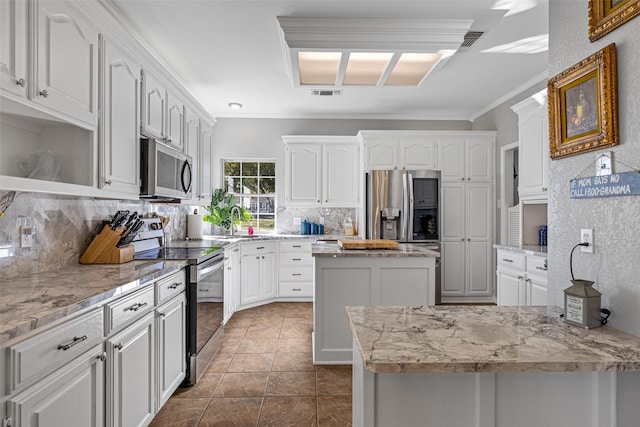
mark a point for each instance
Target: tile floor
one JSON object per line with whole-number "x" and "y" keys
{"x": 263, "y": 375}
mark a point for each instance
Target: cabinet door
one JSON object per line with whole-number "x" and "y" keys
{"x": 453, "y": 211}
{"x": 418, "y": 154}
{"x": 537, "y": 291}
{"x": 479, "y": 160}
{"x": 269, "y": 276}
{"x": 533, "y": 152}
{"x": 192, "y": 145}
{"x": 452, "y": 268}
{"x": 341, "y": 172}
{"x": 478, "y": 262}
{"x": 13, "y": 47}
{"x": 478, "y": 209}
{"x": 171, "y": 354}
{"x": 154, "y": 105}
{"x": 130, "y": 374}
{"x": 304, "y": 174}
{"x": 381, "y": 154}
{"x": 510, "y": 288}
{"x": 204, "y": 162}
{"x": 71, "y": 396}
{"x": 67, "y": 62}
{"x": 250, "y": 279}
{"x": 451, "y": 159}
{"x": 175, "y": 122}
{"x": 119, "y": 132}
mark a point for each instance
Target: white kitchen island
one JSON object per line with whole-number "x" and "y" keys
{"x": 363, "y": 277}
{"x": 489, "y": 366}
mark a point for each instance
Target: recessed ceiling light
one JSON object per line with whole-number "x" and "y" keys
{"x": 235, "y": 106}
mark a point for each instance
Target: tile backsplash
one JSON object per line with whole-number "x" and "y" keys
{"x": 63, "y": 227}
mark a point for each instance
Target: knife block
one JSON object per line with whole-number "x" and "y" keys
{"x": 103, "y": 249}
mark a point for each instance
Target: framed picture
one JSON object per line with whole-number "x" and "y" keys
{"x": 583, "y": 112}
{"x": 607, "y": 15}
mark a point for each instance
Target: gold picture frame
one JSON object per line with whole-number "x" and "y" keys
{"x": 583, "y": 111}
{"x": 607, "y": 15}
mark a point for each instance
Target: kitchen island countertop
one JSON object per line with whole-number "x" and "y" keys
{"x": 457, "y": 339}
{"x": 32, "y": 302}
{"x": 405, "y": 250}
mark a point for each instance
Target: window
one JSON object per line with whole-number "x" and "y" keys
{"x": 254, "y": 185}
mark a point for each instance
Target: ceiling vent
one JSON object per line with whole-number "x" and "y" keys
{"x": 325, "y": 92}
{"x": 471, "y": 37}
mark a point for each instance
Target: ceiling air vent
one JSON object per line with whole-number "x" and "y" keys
{"x": 471, "y": 37}
{"x": 325, "y": 92}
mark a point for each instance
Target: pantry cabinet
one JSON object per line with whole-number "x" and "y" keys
{"x": 466, "y": 158}
{"x": 119, "y": 135}
{"x": 408, "y": 150}
{"x": 66, "y": 69}
{"x": 322, "y": 171}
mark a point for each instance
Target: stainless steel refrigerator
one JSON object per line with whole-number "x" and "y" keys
{"x": 405, "y": 206}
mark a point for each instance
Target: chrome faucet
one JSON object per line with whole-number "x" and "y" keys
{"x": 235, "y": 209}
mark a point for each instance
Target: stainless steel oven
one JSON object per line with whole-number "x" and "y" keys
{"x": 205, "y": 296}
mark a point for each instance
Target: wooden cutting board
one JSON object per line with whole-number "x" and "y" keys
{"x": 368, "y": 244}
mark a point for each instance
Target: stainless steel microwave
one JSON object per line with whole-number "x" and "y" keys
{"x": 165, "y": 171}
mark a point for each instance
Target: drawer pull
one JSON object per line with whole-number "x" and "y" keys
{"x": 174, "y": 286}
{"x": 541, "y": 268}
{"x": 507, "y": 260}
{"x": 118, "y": 346}
{"x": 203, "y": 290}
{"x": 296, "y": 274}
{"x": 260, "y": 247}
{"x": 76, "y": 340}
{"x": 296, "y": 246}
{"x": 136, "y": 306}
{"x": 296, "y": 259}
{"x": 296, "y": 289}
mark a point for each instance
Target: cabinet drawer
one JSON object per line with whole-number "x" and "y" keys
{"x": 296, "y": 274}
{"x": 168, "y": 287}
{"x": 126, "y": 309}
{"x": 256, "y": 248}
{"x": 537, "y": 265}
{"x": 508, "y": 259}
{"x": 54, "y": 347}
{"x": 295, "y": 289}
{"x": 295, "y": 246}
{"x": 292, "y": 259}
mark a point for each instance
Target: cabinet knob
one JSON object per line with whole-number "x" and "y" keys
{"x": 519, "y": 277}
{"x": 21, "y": 82}
{"x": 462, "y": 240}
{"x": 468, "y": 179}
{"x": 108, "y": 182}
{"x": 102, "y": 357}
{"x": 527, "y": 280}
{"x": 462, "y": 179}
{"x": 257, "y": 257}
{"x": 544, "y": 188}
{"x": 44, "y": 93}
{"x": 118, "y": 346}
{"x": 468, "y": 240}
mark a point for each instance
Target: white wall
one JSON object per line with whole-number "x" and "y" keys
{"x": 615, "y": 266}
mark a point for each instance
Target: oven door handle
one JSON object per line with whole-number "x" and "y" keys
{"x": 207, "y": 270}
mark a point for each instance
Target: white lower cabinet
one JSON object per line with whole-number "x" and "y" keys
{"x": 295, "y": 272}
{"x": 231, "y": 281}
{"x": 171, "y": 346}
{"x": 521, "y": 279}
{"x": 71, "y": 396}
{"x": 130, "y": 375}
{"x": 259, "y": 272}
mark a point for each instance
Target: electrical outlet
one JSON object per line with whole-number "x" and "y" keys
{"x": 26, "y": 238}
{"x": 586, "y": 236}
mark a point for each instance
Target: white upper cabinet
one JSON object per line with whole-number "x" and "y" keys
{"x": 154, "y": 106}
{"x": 66, "y": 69}
{"x": 175, "y": 121}
{"x": 322, "y": 170}
{"x": 204, "y": 162}
{"x": 466, "y": 158}
{"x": 13, "y": 47}
{"x": 533, "y": 147}
{"x": 409, "y": 150}
{"x": 192, "y": 145}
{"x": 119, "y": 133}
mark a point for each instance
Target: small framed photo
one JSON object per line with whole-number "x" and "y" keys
{"x": 607, "y": 15}
{"x": 583, "y": 112}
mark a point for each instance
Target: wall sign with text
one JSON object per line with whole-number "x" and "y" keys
{"x": 617, "y": 184}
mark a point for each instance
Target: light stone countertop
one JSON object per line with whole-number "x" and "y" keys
{"x": 405, "y": 250}
{"x": 536, "y": 250}
{"x": 32, "y": 302}
{"x": 459, "y": 339}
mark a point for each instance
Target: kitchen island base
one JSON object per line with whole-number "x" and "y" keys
{"x": 522, "y": 399}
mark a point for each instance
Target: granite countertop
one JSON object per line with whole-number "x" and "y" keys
{"x": 35, "y": 301}
{"x": 525, "y": 249}
{"x": 485, "y": 339}
{"x": 405, "y": 250}
{"x": 214, "y": 240}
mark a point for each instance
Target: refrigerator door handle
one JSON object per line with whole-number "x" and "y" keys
{"x": 409, "y": 229}
{"x": 405, "y": 207}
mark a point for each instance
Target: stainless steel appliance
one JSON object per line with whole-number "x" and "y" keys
{"x": 405, "y": 206}
{"x": 205, "y": 294}
{"x": 164, "y": 171}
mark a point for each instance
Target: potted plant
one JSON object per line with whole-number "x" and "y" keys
{"x": 221, "y": 209}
